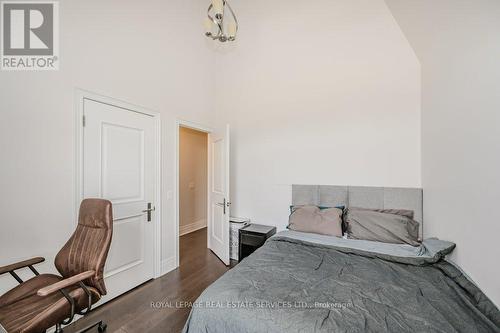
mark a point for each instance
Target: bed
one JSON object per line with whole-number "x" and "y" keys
{"x": 303, "y": 282}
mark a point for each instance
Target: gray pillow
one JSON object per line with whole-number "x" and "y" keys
{"x": 312, "y": 219}
{"x": 403, "y": 212}
{"x": 380, "y": 226}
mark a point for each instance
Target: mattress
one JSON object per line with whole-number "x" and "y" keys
{"x": 298, "y": 282}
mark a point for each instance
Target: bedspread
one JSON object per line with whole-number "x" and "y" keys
{"x": 294, "y": 285}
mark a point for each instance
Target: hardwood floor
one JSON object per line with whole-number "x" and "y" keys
{"x": 134, "y": 312}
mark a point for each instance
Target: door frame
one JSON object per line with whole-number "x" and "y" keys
{"x": 201, "y": 128}
{"x": 80, "y": 96}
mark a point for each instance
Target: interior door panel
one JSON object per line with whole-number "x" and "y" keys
{"x": 119, "y": 154}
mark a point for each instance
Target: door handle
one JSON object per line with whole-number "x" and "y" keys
{"x": 150, "y": 209}
{"x": 223, "y": 205}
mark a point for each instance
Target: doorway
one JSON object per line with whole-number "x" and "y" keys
{"x": 193, "y": 188}
{"x": 217, "y": 189}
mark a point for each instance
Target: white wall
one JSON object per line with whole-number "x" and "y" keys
{"x": 322, "y": 92}
{"x": 193, "y": 175}
{"x": 458, "y": 44}
{"x": 151, "y": 53}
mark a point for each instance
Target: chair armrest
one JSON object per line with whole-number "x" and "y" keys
{"x": 21, "y": 264}
{"x": 65, "y": 283}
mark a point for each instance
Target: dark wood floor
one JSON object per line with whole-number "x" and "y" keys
{"x": 133, "y": 312}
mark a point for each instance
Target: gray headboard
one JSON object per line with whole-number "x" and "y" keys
{"x": 364, "y": 197}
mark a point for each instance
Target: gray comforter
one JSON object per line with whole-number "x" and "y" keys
{"x": 295, "y": 283}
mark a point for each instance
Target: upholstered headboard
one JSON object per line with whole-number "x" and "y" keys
{"x": 363, "y": 197}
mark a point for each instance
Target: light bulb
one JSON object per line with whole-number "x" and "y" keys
{"x": 231, "y": 29}
{"x": 218, "y": 6}
{"x": 208, "y": 25}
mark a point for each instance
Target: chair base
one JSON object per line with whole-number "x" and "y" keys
{"x": 101, "y": 327}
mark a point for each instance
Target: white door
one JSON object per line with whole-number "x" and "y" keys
{"x": 218, "y": 239}
{"x": 119, "y": 164}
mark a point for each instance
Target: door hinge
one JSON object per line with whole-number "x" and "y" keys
{"x": 83, "y": 121}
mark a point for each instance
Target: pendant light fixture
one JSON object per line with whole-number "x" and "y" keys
{"x": 221, "y": 23}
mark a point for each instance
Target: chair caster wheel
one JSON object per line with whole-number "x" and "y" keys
{"x": 102, "y": 327}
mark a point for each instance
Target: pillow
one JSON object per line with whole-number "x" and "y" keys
{"x": 313, "y": 219}
{"x": 377, "y": 225}
{"x": 293, "y": 208}
{"x": 403, "y": 212}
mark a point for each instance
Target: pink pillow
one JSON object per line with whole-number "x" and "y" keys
{"x": 315, "y": 220}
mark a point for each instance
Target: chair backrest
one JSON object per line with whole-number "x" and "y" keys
{"x": 88, "y": 247}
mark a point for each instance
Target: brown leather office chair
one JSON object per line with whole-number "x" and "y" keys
{"x": 47, "y": 299}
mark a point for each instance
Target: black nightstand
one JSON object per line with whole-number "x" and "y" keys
{"x": 252, "y": 237}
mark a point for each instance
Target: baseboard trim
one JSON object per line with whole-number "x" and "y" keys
{"x": 167, "y": 265}
{"x": 188, "y": 228}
